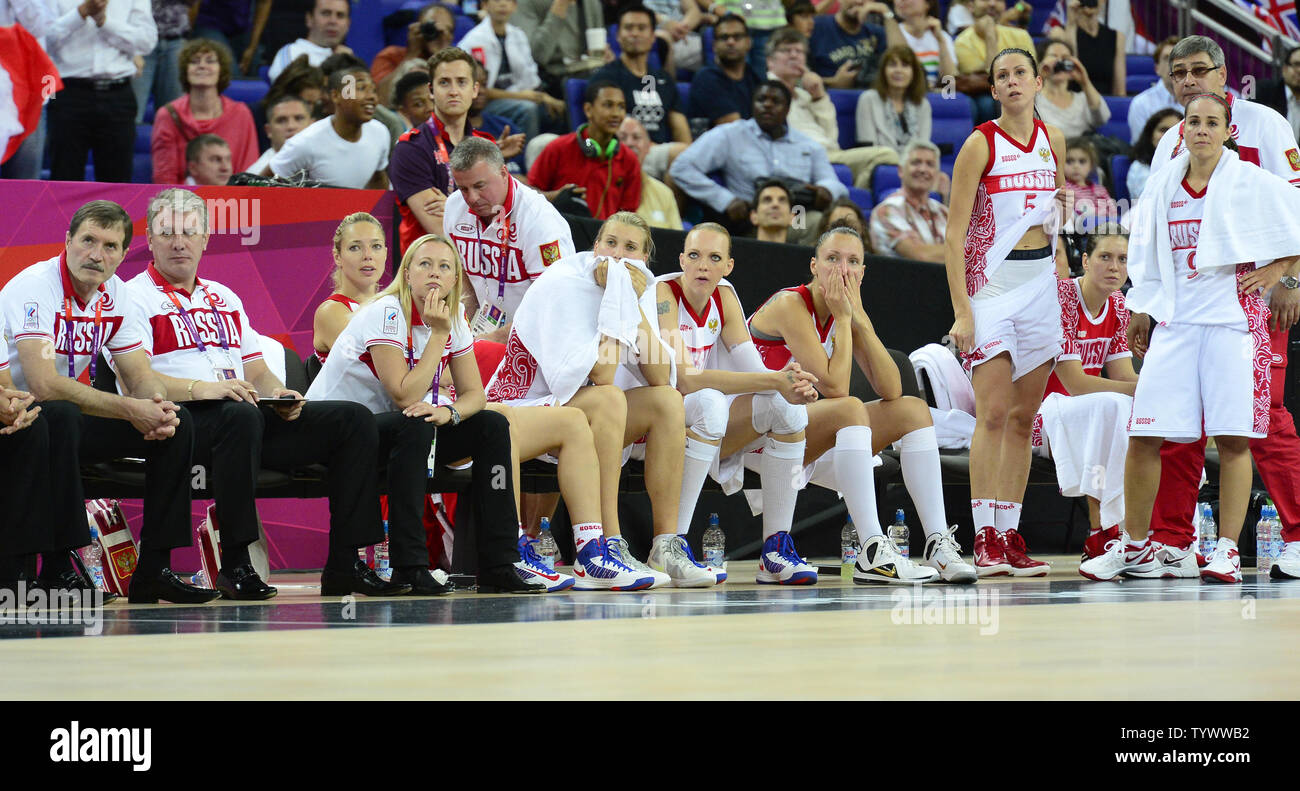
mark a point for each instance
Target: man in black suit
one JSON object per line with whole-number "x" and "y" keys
{"x": 1284, "y": 95}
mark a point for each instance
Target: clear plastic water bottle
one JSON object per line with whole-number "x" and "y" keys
{"x": 898, "y": 533}
{"x": 848, "y": 548}
{"x": 200, "y": 580}
{"x": 382, "y": 568}
{"x": 546, "y": 546}
{"x": 1209, "y": 531}
{"x": 715, "y": 544}
{"x": 95, "y": 560}
{"x": 1275, "y": 554}
{"x": 1263, "y": 540}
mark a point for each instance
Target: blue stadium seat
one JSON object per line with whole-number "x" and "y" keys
{"x": 573, "y": 98}
{"x": 464, "y": 24}
{"x": 952, "y": 119}
{"x": 706, "y": 41}
{"x": 1139, "y": 64}
{"x": 884, "y": 180}
{"x": 143, "y": 138}
{"x": 1117, "y": 126}
{"x": 250, "y": 92}
{"x": 862, "y": 198}
{"x": 684, "y": 93}
{"x": 1119, "y": 172}
{"x": 844, "y": 173}
{"x": 846, "y": 109}
{"x": 1137, "y": 83}
{"x": 141, "y": 168}
{"x": 265, "y": 73}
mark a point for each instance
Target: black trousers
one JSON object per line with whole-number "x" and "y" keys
{"x": 84, "y": 120}
{"x": 25, "y": 496}
{"x": 81, "y": 438}
{"x": 235, "y": 439}
{"x": 404, "y": 449}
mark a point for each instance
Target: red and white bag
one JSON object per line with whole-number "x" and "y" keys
{"x": 209, "y": 535}
{"x": 115, "y": 540}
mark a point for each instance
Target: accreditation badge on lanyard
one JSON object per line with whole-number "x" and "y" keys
{"x": 437, "y": 376}
{"x": 491, "y": 317}
{"x": 96, "y": 337}
{"x": 220, "y": 371}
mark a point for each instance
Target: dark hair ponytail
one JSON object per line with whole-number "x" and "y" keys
{"x": 1231, "y": 145}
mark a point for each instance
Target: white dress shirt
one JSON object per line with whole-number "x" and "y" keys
{"x": 82, "y": 49}
{"x": 36, "y": 16}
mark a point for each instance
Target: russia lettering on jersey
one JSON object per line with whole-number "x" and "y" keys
{"x": 483, "y": 258}
{"x": 82, "y": 333}
{"x": 1092, "y": 340}
{"x": 1015, "y": 178}
{"x": 170, "y": 333}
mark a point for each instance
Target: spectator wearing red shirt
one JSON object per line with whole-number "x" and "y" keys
{"x": 202, "y": 110}
{"x": 590, "y": 159}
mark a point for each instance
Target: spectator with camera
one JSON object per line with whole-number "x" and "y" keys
{"x": 327, "y": 25}
{"x": 590, "y": 161}
{"x": 845, "y": 49}
{"x": 434, "y": 30}
{"x": 755, "y": 150}
{"x": 1101, "y": 50}
{"x": 976, "y": 46}
{"x": 1074, "y": 113}
{"x": 512, "y": 84}
{"x": 202, "y": 110}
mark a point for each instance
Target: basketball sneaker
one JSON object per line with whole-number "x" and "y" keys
{"x": 672, "y": 556}
{"x": 1119, "y": 558}
{"x": 531, "y": 567}
{"x": 596, "y": 567}
{"x": 623, "y": 552}
{"x": 1287, "y": 566}
{"x": 943, "y": 554}
{"x": 1200, "y": 560}
{"x": 990, "y": 554}
{"x": 1170, "y": 563}
{"x": 880, "y": 561}
{"x": 1095, "y": 544}
{"x": 1018, "y": 556}
{"x": 1224, "y": 565}
{"x": 780, "y": 564}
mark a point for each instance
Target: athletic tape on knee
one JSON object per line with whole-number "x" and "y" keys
{"x": 772, "y": 413}
{"x": 920, "y": 439}
{"x": 706, "y": 414}
{"x": 853, "y": 438}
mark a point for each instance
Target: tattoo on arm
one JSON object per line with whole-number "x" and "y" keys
{"x": 664, "y": 307}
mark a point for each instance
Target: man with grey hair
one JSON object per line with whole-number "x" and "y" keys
{"x": 1264, "y": 138}
{"x": 506, "y": 232}
{"x": 909, "y": 223}
{"x": 206, "y": 353}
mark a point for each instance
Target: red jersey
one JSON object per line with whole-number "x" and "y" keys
{"x": 774, "y": 352}
{"x": 1092, "y": 340}
{"x": 347, "y": 302}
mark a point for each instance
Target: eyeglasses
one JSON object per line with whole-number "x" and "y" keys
{"x": 1178, "y": 75}
{"x": 799, "y": 51}
{"x": 731, "y": 36}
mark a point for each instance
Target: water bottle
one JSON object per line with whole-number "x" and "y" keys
{"x": 382, "y": 568}
{"x": 848, "y": 548}
{"x": 200, "y": 580}
{"x": 898, "y": 533}
{"x": 95, "y": 560}
{"x": 1275, "y": 554}
{"x": 546, "y": 546}
{"x": 1209, "y": 531}
{"x": 715, "y": 544}
{"x": 1263, "y": 540}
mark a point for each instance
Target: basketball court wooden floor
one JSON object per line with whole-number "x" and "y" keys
{"x": 1059, "y": 637}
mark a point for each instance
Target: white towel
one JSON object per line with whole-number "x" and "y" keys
{"x": 1087, "y": 436}
{"x": 949, "y": 381}
{"x": 1251, "y": 215}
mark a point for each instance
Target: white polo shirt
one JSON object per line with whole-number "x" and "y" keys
{"x": 182, "y": 336}
{"x": 39, "y": 302}
{"x": 349, "y": 372}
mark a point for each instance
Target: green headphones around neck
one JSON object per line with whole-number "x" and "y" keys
{"x": 592, "y": 150}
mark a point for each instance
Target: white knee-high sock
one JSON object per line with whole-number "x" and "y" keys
{"x": 919, "y": 455}
{"x": 778, "y": 468}
{"x": 699, "y": 458}
{"x": 856, "y": 480}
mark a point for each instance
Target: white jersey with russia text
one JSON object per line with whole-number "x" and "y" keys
{"x": 349, "y": 372}
{"x": 35, "y": 306}
{"x": 539, "y": 237}
{"x": 1201, "y": 296}
{"x": 1016, "y": 180}
{"x": 173, "y": 349}
{"x": 1263, "y": 138}
{"x": 699, "y": 331}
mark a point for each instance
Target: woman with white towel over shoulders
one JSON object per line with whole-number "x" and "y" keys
{"x": 1210, "y": 235}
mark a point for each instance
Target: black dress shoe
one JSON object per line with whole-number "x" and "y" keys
{"x": 505, "y": 579}
{"x": 70, "y": 581}
{"x": 243, "y": 584}
{"x": 359, "y": 579}
{"x": 423, "y": 583}
{"x": 169, "y": 588}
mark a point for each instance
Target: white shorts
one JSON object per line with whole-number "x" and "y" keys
{"x": 1198, "y": 375}
{"x": 1025, "y": 323}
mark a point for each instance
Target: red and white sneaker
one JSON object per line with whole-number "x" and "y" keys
{"x": 1170, "y": 563}
{"x": 1200, "y": 560}
{"x": 1095, "y": 545}
{"x": 1018, "y": 556}
{"x": 1224, "y": 565}
{"x": 990, "y": 554}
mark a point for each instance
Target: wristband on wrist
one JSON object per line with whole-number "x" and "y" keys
{"x": 190, "y": 389}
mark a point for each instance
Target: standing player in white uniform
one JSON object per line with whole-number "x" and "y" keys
{"x": 1199, "y": 272}
{"x": 1263, "y": 137}
{"x": 506, "y": 233}
{"x": 1003, "y": 260}
{"x": 823, "y": 327}
{"x": 731, "y": 405}
{"x": 1083, "y": 422}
